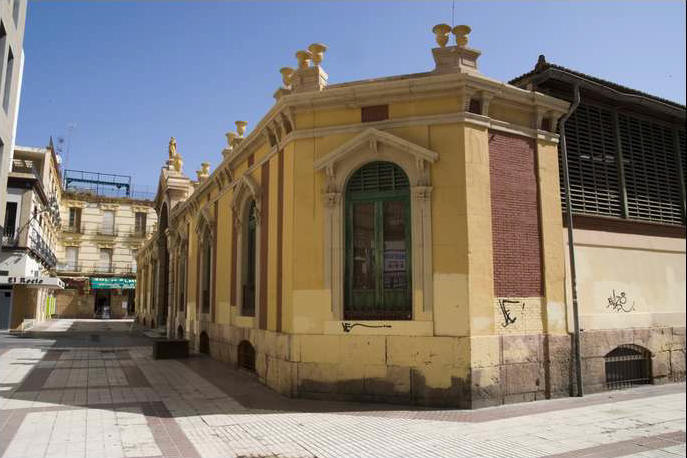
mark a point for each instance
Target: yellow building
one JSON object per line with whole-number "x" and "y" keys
{"x": 395, "y": 239}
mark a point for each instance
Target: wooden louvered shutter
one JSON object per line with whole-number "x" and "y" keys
{"x": 682, "y": 146}
{"x": 592, "y": 162}
{"x": 651, "y": 170}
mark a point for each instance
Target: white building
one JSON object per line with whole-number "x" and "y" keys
{"x": 32, "y": 230}
{"x": 12, "y": 20}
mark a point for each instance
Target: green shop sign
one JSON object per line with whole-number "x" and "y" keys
{"x": 112, "y": 283}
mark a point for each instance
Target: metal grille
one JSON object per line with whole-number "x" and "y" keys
{"x": 682, "y": 145}
{"x": 246, "y": 356}
{"x": 592, "y": 162}
{"x": 627, "y": 366}
{"x": 378, "y": 176}
{"x": 651, "y": 171}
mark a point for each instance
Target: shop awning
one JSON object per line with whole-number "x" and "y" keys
{"x": 35, "y": 282}
{"x": 112, "y": 283}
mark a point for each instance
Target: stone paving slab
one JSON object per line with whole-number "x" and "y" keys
{"x": 109, "y": 398}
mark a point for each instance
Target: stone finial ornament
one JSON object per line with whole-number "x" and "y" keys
{"x": 441, "y": 32}
{"x": 204, "y": 171}
{"x": 241, "y": 127}
{"x": 178, "y": 163}
{"x": 461, "y": 32}
{"x": 317, "y": 51}
{"x": 230, "y": 138}
{"x": 304, "y": 58}
{"x": 286, "y": 76}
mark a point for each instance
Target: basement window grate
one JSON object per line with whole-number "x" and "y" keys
{"x": 627, "y": 366}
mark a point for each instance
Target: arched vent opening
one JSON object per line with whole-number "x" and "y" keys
{"x": 180, "y": 332}
{"x": 627, "y": 366}
{"x": 204, "y": 343}
{"x": 246, "y": 356}
{"x": 152, "y": 324}
{"x": 378, "y": 176}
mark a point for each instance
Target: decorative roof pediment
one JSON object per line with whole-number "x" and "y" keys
{"x": 372, "y": 138}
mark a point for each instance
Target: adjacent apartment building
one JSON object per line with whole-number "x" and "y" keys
{"x": 31, "y": 233}
{"x": 401, "y": 238}
{"x": 102, "y": 229}
{"x": 12, "y": 20}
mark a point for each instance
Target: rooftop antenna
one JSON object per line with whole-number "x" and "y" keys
{"x": 70, "y": 129}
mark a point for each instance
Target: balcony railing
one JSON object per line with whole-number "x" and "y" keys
{"x": 85, "y": 268}
{"x": 74, "y": 228}
{"x": 107, "y": 230}
{"x": 25, "y": 166}
{"x": 9, "y": 237}
{"x": 138, "y": 233}
{"x": 40, "y": 248}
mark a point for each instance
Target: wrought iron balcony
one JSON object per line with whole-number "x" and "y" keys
{"x": 112, "y": 268}
{"x": 138, "y": 233}
{"x": 9, "y": 237}
{"x": 41, "y": 249}
{"x": 110, "y": 231}
{"x": 74, "y": 228}
{"x": 25, "y": 166}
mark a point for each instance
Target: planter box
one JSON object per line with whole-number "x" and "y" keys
{"x": 170, "y": 348}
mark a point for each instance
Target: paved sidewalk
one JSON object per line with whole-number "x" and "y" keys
{"x": 104, "y": 396}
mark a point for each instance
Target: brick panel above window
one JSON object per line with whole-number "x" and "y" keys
{"x": 515, "y": 217}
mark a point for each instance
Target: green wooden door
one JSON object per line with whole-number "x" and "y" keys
{"x": 378, "y": 276}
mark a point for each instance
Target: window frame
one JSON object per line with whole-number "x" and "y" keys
{"x": 378, "y": 199}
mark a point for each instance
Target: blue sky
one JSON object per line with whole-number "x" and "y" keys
{"x": 128, "y": 75}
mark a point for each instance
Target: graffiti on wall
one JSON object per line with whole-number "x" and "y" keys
{"x": 348, "y": 326}
{"x": 505, "y": 305}
{"x": 618, "y": 303}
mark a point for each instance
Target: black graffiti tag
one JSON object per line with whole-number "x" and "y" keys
{"x": 348, "y": 326}
{"x": 505, "y": 310}
{"x": 618, "y": 303}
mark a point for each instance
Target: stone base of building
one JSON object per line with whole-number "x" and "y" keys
{"x": 666, "y": 345}
{"x": 463, "y": 372}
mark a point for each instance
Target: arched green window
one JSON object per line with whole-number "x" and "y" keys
{"x": 378, "y": 274}
{"x": 249, "y": 260}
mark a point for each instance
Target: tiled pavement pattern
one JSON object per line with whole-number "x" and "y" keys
{"x": 79, "y": 398}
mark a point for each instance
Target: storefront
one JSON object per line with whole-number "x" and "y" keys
{"x": 25, "y": 300}
{"x": 114, "y": 296}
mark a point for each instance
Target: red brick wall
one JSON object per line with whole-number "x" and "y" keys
{"x": 515, "y": 216}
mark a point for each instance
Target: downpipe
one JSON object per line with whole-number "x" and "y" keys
{"x": 571, "y": 244}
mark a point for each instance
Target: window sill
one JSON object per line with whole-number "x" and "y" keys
{"x": 241, "y": 321}
{"x": 380, "y": 327}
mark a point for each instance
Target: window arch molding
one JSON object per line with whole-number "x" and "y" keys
{"x": 245, "y": 192}
{"x": 205, "y": 229}
{"x": 373, "y": 145}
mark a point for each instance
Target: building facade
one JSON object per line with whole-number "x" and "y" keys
{"x": 398, "y": 239}
{"x": 626, "y": 160}
{"x": 12, "y": 21}
{"x": 97, "y": 252}
{"x": 31, "y": 231}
